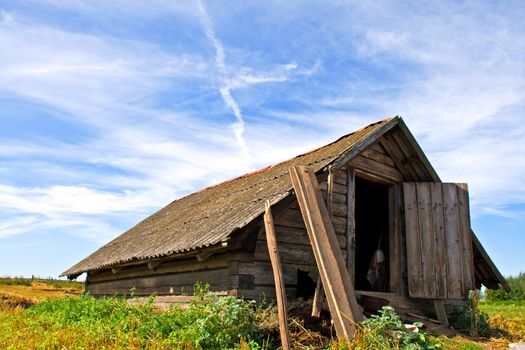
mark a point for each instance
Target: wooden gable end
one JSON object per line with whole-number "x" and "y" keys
{"x": 393, "y": 158}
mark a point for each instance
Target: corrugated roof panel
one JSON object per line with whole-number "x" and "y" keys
{"x": 209, "y": 216}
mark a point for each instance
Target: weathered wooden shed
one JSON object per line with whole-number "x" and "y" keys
{"x": 382, "y": 193}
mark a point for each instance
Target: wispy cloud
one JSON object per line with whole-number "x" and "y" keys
{"x": 225, "y": 89}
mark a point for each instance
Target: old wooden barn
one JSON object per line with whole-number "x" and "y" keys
{"x": 404, "y": 234}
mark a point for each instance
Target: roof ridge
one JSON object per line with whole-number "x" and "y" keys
{"x": 286, "y": 160}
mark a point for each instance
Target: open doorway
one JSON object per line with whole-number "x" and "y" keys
{"x": 371, "y": 222}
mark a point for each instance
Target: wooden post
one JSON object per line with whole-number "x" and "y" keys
{"x": 332, "y": 268}
{"x": 280, "y": 295}
{"x": 350, "y": 223}
{"x": 317, "y": 303}
{"x": 440, "y": 312}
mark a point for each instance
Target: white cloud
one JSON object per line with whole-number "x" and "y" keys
{"x": 85, "y": 75}
{"x": 225, "y": 89}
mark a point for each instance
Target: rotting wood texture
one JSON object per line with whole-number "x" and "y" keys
{"x": 336, "y": 282}
{"x": 438, "y": 240}
{"x": 277, "y": 275}
{"x": 318, "y": 294}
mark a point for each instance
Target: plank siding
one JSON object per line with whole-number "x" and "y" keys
{"x": 453, "y": 246}
{"x": 413, "y": 244}
{"x": 438, "y": 231}
{"x": 396, "y": 273}
{"x": 174, "y": 266}
{"x": 466, "y": 236}
{"x": 439, "y": 242}
{"x": 401, "y": 229}
{"x": 426, "y": 239}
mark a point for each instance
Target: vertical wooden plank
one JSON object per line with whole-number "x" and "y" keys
{"x": 393, "y": 234}
{"x": 278, "y": 276}
{"x": 426, "y": 239}
{"x": 466, "y": 237}
{"x": 415, "y": 270}
{"x": 440, "y": 251}
{"x": 350, "y": 223}
{"x": 336, "y": 282}
{"x": 453, "y": 243}
{"x": 400, "y": 225}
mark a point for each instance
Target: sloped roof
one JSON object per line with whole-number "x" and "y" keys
{"x": 209, "y": 216}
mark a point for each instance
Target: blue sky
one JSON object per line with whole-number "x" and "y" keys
{"x": 111, "y": 110}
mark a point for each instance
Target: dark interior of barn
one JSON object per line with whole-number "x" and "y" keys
{"x": 371, "y": 219}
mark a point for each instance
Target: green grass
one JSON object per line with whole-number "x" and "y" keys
{"x": 505, "y": 308}
{"x": 15, "y": 281}
{"x": 210, "y": 322}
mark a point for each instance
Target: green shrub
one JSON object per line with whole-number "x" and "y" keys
{"x": 517, "y": 290}
{"x": 461, "y": 319}
{"x": 210, "y": 322}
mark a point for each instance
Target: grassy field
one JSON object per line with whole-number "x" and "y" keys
{"x": 507, "y": 323}
{"x": 45, "y": 315}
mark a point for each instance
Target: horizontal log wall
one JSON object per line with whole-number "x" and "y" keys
{"x": 220, "y": 271}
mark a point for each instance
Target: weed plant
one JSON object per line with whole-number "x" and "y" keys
{"x": 387, "y": 332}
{"x": 210, "y": 322}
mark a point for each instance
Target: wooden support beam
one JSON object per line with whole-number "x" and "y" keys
{"x": 440, "y": 312}
{"x": 319, "y": 294}
{"x": 318, "y": 299}
{"x": 277, "y": 275}
{"x": 337, "y": 286}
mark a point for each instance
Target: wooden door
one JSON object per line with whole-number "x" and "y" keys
{"x": 438, "y": 240}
